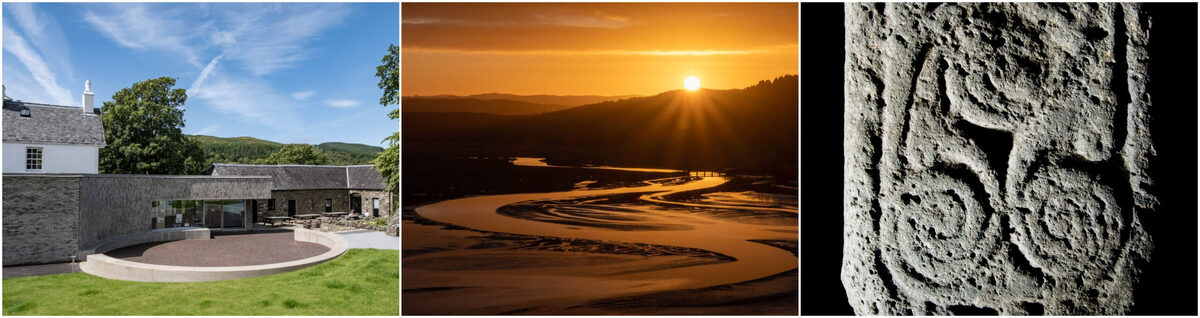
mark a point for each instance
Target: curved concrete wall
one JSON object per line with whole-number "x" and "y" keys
{"x": 164, "y": 235}
{"x": 112, "y": 268}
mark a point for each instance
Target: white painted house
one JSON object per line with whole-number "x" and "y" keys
{"x": 41, "y": 138}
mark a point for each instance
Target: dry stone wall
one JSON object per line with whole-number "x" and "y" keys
{"x": 996, "y": 157}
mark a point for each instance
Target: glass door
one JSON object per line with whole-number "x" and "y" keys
{"x": 232, "y": 211}
{"x": 212, "y": 214}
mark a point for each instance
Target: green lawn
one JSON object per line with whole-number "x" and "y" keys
{"x": 361, "y": 282}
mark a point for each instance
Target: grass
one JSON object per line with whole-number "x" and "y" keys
{"x": 360, "y": 282}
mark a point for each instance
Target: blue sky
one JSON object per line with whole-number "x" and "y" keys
{"x": 286, "y": 72}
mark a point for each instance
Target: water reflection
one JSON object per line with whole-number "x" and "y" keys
{"x": 541, "y": 162}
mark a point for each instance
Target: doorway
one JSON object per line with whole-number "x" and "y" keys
{"x": 291, "y": 207}
{"x": 212, "y": 214}
{"x": 232, "y": 213}
{"x": 355, "y": 203}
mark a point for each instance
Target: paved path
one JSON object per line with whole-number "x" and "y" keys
{"x": 370, "y": 239}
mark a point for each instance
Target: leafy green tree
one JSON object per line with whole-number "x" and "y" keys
{"x": 143, "y": 126}
{"x": 295, "y": 154}
{"x": 388, "y": 162}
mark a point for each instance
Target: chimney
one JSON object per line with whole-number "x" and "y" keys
{"x": 87, "y": 97}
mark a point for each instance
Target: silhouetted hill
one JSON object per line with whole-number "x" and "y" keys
{"x": 755, "y": 128}
{"x": 472, "y": 105}
{"x": 567, "y": 100}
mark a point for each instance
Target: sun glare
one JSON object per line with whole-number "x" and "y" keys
{"x": 691, "y": 83}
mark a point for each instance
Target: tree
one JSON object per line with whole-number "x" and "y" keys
{"x": 143, "y": 126}
{"x": 295, "y": 154}
{"x": 388, "y": 162}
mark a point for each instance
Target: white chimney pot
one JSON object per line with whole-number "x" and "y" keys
{"x": 87, "y": 97}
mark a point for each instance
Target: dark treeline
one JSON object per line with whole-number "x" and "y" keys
{"x": 248, "y": 149}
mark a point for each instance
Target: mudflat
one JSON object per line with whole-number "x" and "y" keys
{"x": 611, "y": 250}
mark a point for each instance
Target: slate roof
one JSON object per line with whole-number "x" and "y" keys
{"x": 308, "y": 177}
{"x": 52, "y": 124}
{"x": 364, "y": 177}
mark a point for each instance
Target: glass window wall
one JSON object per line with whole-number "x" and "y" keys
{"x": 174, "y": 213}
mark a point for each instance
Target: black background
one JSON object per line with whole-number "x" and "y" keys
{"x": 1168, "y": 284}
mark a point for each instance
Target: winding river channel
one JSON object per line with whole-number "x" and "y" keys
{"x": 692, "y": 230}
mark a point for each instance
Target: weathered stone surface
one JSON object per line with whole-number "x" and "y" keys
{"x": 995, "y": 157}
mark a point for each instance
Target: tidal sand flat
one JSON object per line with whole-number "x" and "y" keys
{"x": 600, "y": 251}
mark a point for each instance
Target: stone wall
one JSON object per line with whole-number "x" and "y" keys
{"x": 41, "y": 219}
{"x": 112, "y": 205}
{"x": 307, "y": 201}
{"x": 313, "y": 201}
{"x": 996, "y": 158}
{"x": 385, "y": 201}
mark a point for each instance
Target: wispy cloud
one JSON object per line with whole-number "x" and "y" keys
{"x": 207, "y": 130}
{"x": 45, "y": 34}
{"x": 303, "y": 95}
{"x": 136, "y": 26}
{"x": 41, "y": 73}
{"x": 252, "y": 99}
{"x": 341, "y": 103}
{"x": 594, "y": 19}
{"x": 761, "y": 50}
{"x": 195, "y": 88}
{"x": 260, "y": 39}
{"x": 275, "y": 41}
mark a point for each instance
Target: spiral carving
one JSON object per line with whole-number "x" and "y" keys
{"x": 1071, "y": 223}
{"x": 996, "y": 158}
{"x": 940, "y": 229}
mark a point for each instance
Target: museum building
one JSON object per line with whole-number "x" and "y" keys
{"x": 57, "y": 206}
{"x": 310, "y": 189}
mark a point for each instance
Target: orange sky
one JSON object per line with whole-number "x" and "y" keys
{"x": 593, "y": 48}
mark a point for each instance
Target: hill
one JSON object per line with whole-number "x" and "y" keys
{"x": 567, "y": 100}
{"x": 755, "y": 128}
{"x": 247, "y": 149}
{"x": 341, "y": 153}
{"x": 236, "y": 149}
{"x": 472, "y": 105}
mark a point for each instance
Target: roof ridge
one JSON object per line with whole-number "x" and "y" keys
{"x": 286, "y": 165}
{"x": 42, "y": 105}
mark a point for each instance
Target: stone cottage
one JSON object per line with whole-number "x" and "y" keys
{"x": 312, "y": 189}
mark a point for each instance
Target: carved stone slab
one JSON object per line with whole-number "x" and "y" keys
{"x": 995, "y": 157}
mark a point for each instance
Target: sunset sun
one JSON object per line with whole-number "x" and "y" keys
{"x": 691, "y": 83}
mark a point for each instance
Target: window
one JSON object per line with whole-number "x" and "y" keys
{"x": 25, "y": 112}
{"x": 375, "y": 203}
{"x": 328, "y": 205}
{"x": 174, "y": 213}
{"x": 271, "y": 205}
{"x": 33, "y": 158}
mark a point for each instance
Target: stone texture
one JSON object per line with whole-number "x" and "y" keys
{"x": 113, "y": 205}
{"x": 313, "y": 201}
{"x": 41, "y": 219}
{"x": 995, "y": 157}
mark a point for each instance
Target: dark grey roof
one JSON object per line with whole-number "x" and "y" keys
{"x": 307, "y": 177}
{"x": 52, "y": 124}
{"x": 364, "y": 177}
